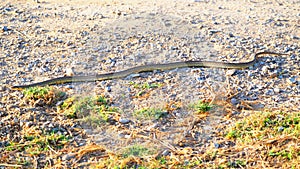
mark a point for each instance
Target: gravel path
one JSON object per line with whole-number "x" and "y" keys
{"x": 49, "y": 39}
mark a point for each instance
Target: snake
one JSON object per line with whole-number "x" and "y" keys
{"x": 146, "y": 68}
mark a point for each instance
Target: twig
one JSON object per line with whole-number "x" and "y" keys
{"x": 10, "y": 165}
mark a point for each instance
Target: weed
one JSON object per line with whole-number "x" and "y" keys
{"x": 93, "y": 110}
{"x": 162, "y": 160}
{"x": 233, "y": 134}
{"x": 137, "y": 151}
{"x": 201, "y": 107}
{"x": 278, "y": 131}
{"x": 37, "y": 144}
{"x": 150, "y": 113}
{"x": 237, "y": 163}
{"x": 265, "y": 124}
{"x": 284, "y": 153}
{"x": 144, "y": 87}
{"x": 48, "y": 95}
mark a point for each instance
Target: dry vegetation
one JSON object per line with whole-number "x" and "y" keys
{"x": 261, "y": 139}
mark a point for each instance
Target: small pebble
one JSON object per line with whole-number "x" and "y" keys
{"x": 280, "y": 117}
{"x": 2, "y": 88}
{"x": 68, "y": 157}
{"x": 217, "y": 145}
{"x": 292, "y": 80}
{"x": 124, "y": 121}
{"x": 127, "y": 136}
{"x": 265, "y": 69}
{"x": 4, "y": 143}
{"x": 270, "y": 92}
{"x": 29, "y": 124}
{"x": 70, "y": 71}
{"x": 274, "y": 74}
{"x": 230, "y": 72}
{"x": 59, "y": 103}
{"x": 213, "y": 32}
{"x": 276, "y": 90}
{"x": 4, "y": 28}
{"x": 70, "y": 86}
{"x": 108, "y": 88}
{"x": 165, "y": 153}
{"x": 235, "y": 113}
{"x": 293, "y": 57}
{"x": 234, "y": 101}
{"x": 280, "y": 129}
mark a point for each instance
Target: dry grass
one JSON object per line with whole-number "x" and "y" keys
{"x": 260, "y": 140}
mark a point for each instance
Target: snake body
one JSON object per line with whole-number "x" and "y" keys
{"x": 145, "y": 68}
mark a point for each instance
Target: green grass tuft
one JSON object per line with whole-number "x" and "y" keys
{"x": 266, "y": 125}
{"x": 48, "y": 95}
{"x": 201, "y": 107}
{"x": 93, "y": 110}
{"x": 136, "y": 151}
{"x": 150, "y": 113}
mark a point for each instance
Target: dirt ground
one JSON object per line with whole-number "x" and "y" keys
{"x": 47, "y": 38}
